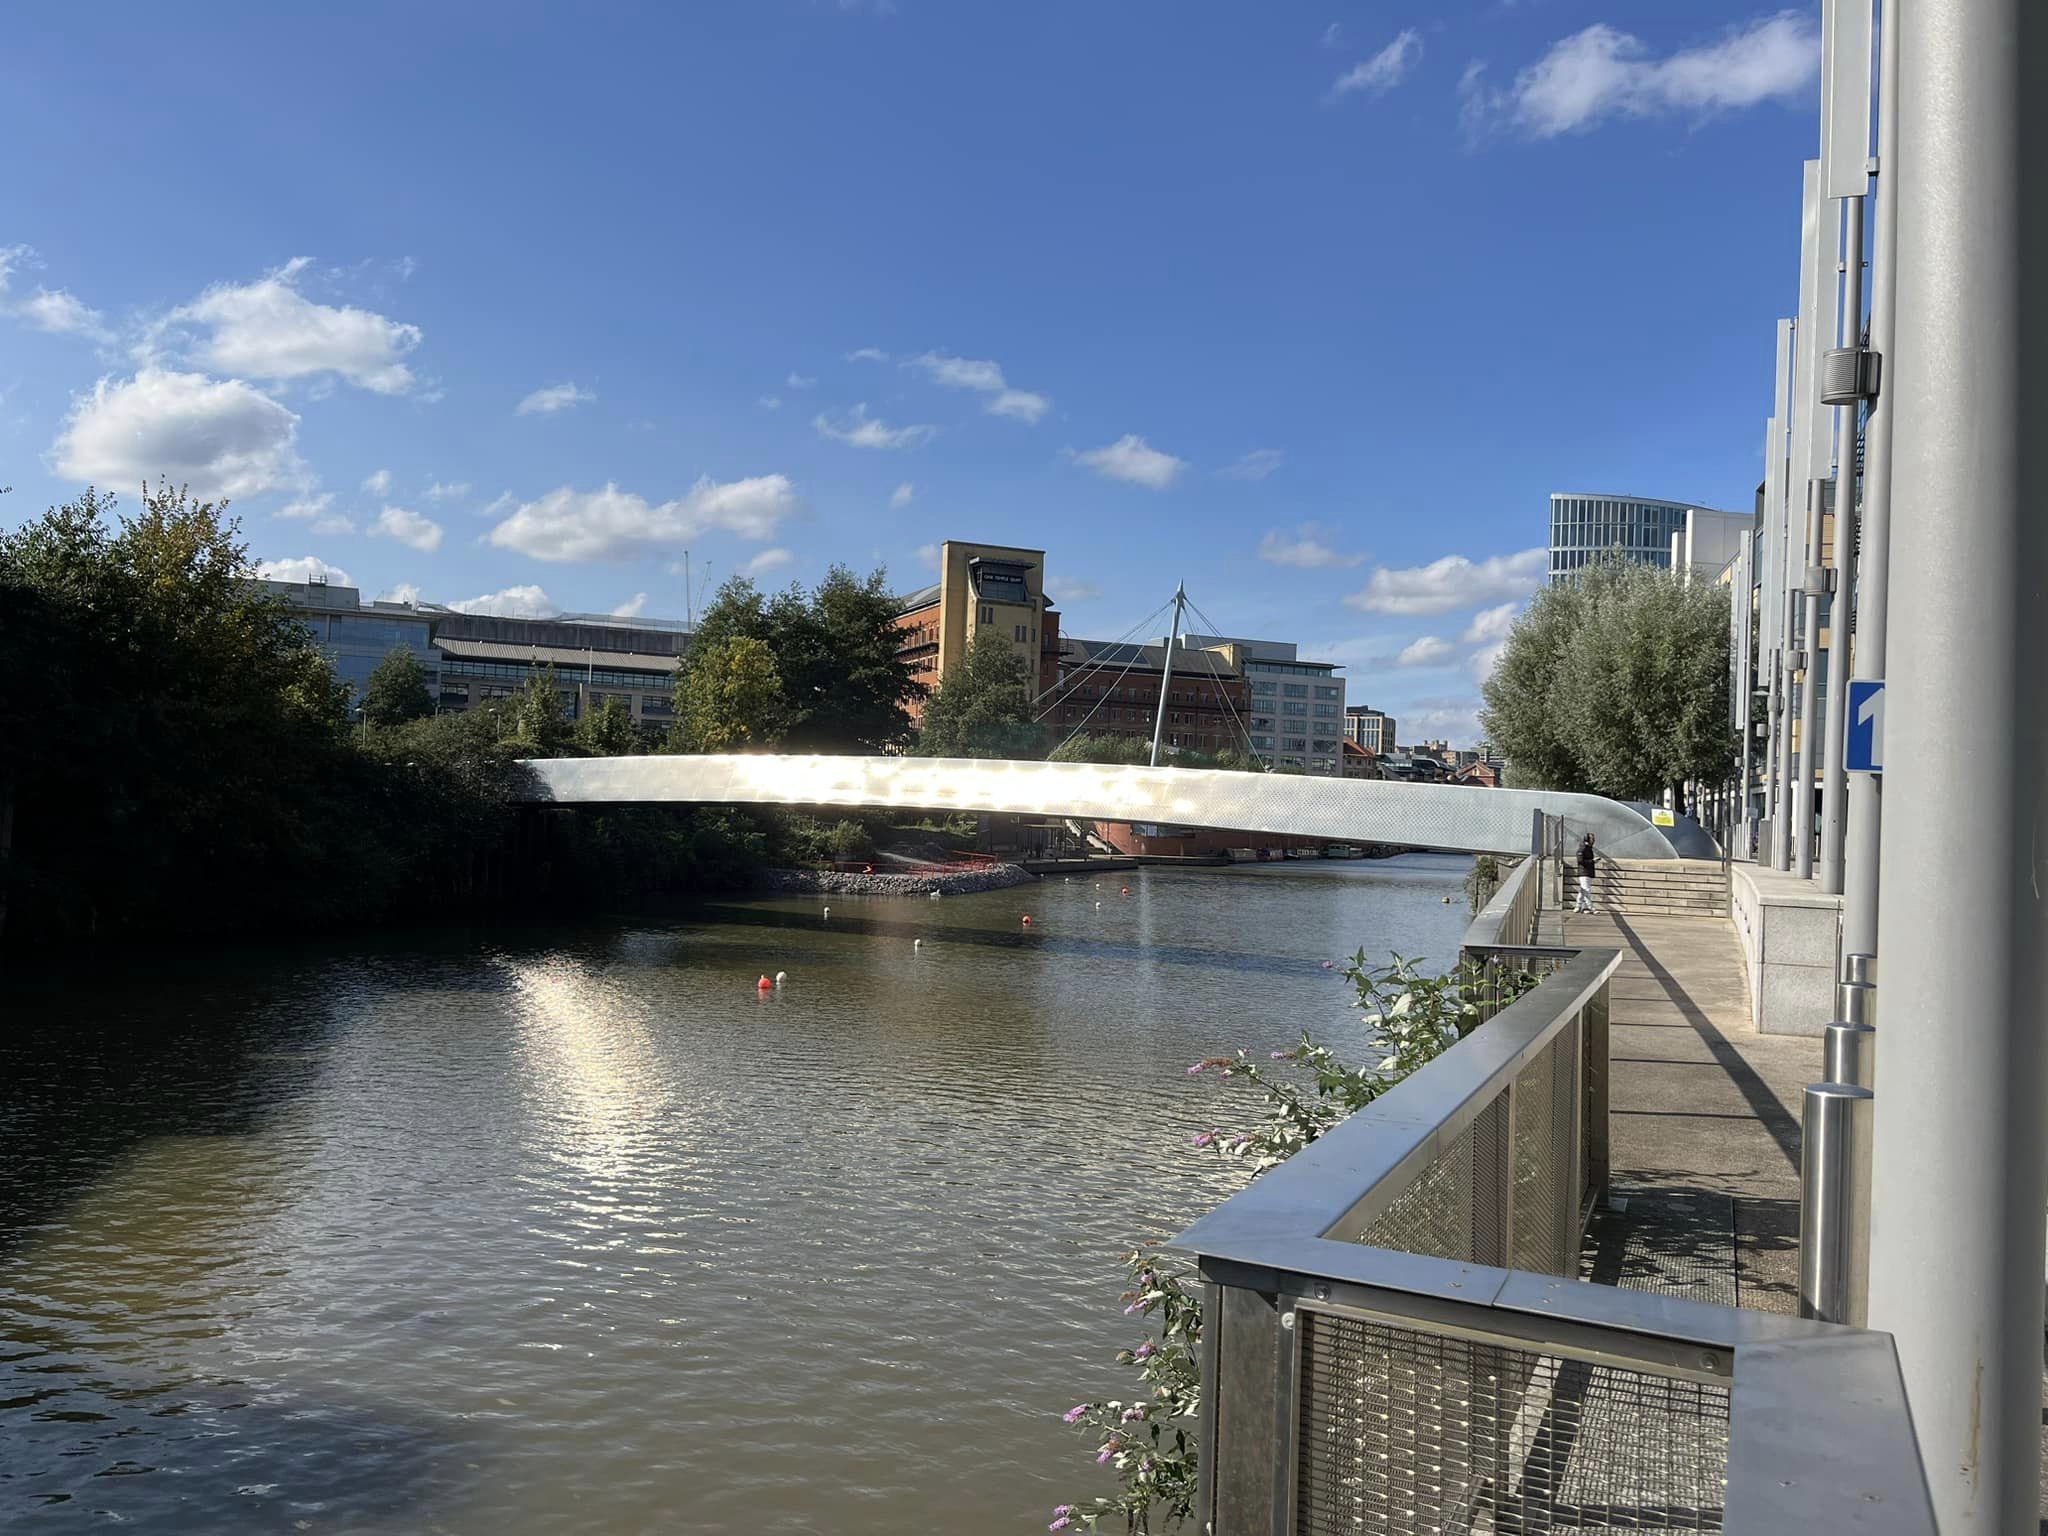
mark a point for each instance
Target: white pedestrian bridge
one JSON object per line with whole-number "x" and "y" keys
{"x": 1448, "y": 816}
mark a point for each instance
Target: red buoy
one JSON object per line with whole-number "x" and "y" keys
{"x": 764, "y": 985}
{"x": 1027, "y": 919}
{"x": 1127, "y": 890}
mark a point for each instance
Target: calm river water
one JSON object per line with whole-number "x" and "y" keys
{"x": 569, "y": 1231}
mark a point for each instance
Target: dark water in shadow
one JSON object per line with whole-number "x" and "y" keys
{"x": 571, "y": 1231}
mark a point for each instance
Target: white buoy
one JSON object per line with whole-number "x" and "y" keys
{"x": 917, "y": 943}
{"x": 781, "y": 977}
{"x": 1098, "y": 906}
{"x": 828, "y": 911}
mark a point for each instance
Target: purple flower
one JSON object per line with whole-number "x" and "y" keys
{"x": 1281, "y": 1055}
{"x": 1075, "y": 1414}
{"x": 1132, "y": 1415}
{"x": 1144, "y": 1351}
{"x": 1136, "y": 1306}
{"x": 1196, "y": 1069}
{"x": 1060, "y": 1524}
{"x": 1204, "y": 1138}
{"x": 1063, "y": 1509}
{"x": 1108, "y": 1452}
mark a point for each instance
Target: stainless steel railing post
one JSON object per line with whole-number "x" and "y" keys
{"x": 1833, "y": 1231}
{"x": 1852, "y": 1055}
{"x": 1860, "y": 967}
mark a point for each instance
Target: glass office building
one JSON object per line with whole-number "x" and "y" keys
{"x": 1585, "y": 526}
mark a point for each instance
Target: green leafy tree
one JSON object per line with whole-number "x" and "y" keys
{"x": 607, "y": 730}
{"x": 730, "y": 698}
{"x": 535, "y": 719}
{"x": 1616, "y": 685}
{"x": 835, "y": 654}
{"x": 397, "y": 690}
{"x": 982, "y": 707}
{"x": 1105, "y": 748}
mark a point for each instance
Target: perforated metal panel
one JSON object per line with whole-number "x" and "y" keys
{"x": 1401, "y": 1432}
{"x": 1538, "y": 1190}
{"x": 1433, "y": 1215}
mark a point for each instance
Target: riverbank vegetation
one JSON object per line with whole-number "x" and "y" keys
{"x": 1296, "y": 1096}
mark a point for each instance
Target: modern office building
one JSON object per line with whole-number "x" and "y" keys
{"x": 1108, "y": 688}
{"x": 1587, "y": 526}
{"x": 982, "y": 589}
{"x": 594, "y": 657}
{"x": 355, "y": 635}
{"x": 1297, "y": 714}
{"x": 1372, "y": 729}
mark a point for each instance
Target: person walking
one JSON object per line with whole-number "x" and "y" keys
{"x": 1589, "y": 863}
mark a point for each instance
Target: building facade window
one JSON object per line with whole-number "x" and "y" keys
{"x": 1294, "y": 690}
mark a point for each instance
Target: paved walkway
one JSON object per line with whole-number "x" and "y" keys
{"x": 1705, "y": 1118}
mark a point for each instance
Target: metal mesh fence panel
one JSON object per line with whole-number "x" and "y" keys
{"x": 1433, "y": 1215}
{"x": 1401, "y": 1432}
{"x": 1539, "y": 1185}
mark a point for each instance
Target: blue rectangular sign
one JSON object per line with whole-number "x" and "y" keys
{"x": 1863, "y": 751}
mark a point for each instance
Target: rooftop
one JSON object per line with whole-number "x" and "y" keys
{"x": 567, "y": 657}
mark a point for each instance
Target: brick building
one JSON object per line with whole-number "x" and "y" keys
{"x": 982, "y": 588}
{"x": 1112, "y": 689}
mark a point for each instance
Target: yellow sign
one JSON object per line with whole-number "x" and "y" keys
{"x": 1662, "y": 818}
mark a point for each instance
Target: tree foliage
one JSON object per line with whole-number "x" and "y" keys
{"x": 730, "y": 697}
{"x": 397, "y": 690}
{"x": 982, "y": 707}
{"x": 535, "y": 720}
{"x": 834, "y": 652}
{"x": 607, "y": 730}
{"x": 1107, "y": 747}
{"x": 1615, "y": 685}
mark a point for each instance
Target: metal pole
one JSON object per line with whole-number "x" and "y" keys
{"x": 1873, "y": 571}
{"x": 1836, "y": 1136}
{"x": 1962, "y": 1159}
{"x": 1180, "y": 598}
{"x": 1813, "y": 585}
{"x": 1851, "y": 1055}
{"x": 1834, "y": 787}
{"x": 1773, "y": 851}
{"x": 1857, "y": 966}
{"x": 1856, "y": 1001}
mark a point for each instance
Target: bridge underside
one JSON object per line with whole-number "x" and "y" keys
{"x": 1341, "y": 810}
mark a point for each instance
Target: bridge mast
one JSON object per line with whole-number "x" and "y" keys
{"x": 1180, "y": 601}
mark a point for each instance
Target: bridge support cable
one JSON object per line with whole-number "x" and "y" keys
{"x": 1061, "y": 690}
{"x": 1216, "y": 629}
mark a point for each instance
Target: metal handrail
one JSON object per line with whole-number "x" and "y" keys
{"x": 1817, "y": 1433}
{"x": 1337, "y": 1185}
{"x": 1510, "y": 916}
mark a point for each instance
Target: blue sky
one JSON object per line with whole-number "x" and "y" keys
{"x": 513, "y": 303}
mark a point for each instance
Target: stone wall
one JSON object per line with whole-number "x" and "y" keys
{"x": 993, "y": 877}
{"x": 1790, "y": 934}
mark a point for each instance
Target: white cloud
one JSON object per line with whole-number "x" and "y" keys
{"x": 1491, "y": 624}
{"x": 769, "y": 403}
{"x": 1019, "y": 405}
{"x": 1429, "y": 651}
{"x": 269, "y": 330}
{"x": 901, "y": 496}
{"x": 766, "y": 561}
{"x": 305, "y": 508}
{"x": 447, "y": 492}
{"x": 1481, "y": 662}
{"x": 409, "y": 528}
{"x": 556, "y": 397}
{"x": 1305, "y": 550}
{"x": 336, "y": 522}
{"x": 632, "y": 607}
{"x": 928, "y": 555}
{"x": 62, "y": 313}
{"x": 512, "y": 603}
{"x": 1384, "y": 70}
{"x": 404, "y": 592}
{"x": 1076, "y": 592}
{"x": 799, "y": 381}
{"x": 378, "y": 482}
{"x": 1451, "y": 583}
{"x": 865, "y": 431}
{"x": 867, "y": 355}
{"x": 1333, "y": 36}
{"x": 612, "y": 524}
{"x": 1602, "y": 73}
{"x": 1452, "y": 720}
{"x": 220, "y": 436}
{"x": 303, "y": 568}
{"x": 11, "y": 257}
{"x": 1131, "y": 458}
{"x": 500, "y": 504}
{"x": 986, "y": 377}
{"x": 1256, "y": 465}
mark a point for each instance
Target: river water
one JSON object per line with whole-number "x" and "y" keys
{"x": 571, "y": 1231}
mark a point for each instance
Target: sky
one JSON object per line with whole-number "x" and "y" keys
{"x": 1310, "y": 306}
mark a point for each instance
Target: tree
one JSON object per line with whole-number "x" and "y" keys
{"x": 730, "y": 697}
{"x": 834, "y": 649}
{"x": 607, "y": 730}
{"x": 397, "y": 690}
{"x": 536, "y": 722}
{"x": 1616, "y": 685}
{"x": 982, "y": 707}
{"x": 1105, "y": 748}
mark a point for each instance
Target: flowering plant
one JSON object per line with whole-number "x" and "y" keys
{"x": 1302, "y": 1092}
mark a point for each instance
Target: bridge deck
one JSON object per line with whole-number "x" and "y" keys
{"x": 1705, "y": 1118}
